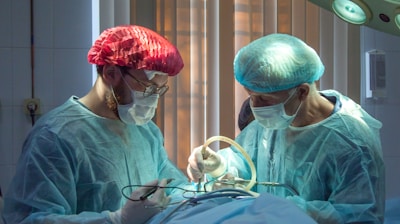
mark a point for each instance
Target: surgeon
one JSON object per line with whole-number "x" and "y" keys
{"x": 321, "y": 149}
{"x": 80, "y": 156}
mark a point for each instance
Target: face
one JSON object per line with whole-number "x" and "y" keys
{"x": 270, "y": 99}
{"x": 137, "y": 80}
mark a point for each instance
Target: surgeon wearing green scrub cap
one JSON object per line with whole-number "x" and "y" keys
{"x": 320, "y": 143}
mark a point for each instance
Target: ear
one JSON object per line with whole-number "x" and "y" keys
{"x": 304, "y": 90}
{"x": 111, "y": 74}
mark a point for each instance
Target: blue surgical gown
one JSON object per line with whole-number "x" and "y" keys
{"x": 335, "y": 165}
{"x": 74, "y": 164}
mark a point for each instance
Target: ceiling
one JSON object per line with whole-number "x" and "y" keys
{"x": 382, "y": 13}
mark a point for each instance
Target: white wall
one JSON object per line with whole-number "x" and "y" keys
{"x": 387, "y": 109}
{"x": 62, "y": 38}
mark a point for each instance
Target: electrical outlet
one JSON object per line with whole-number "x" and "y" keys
{"x": 32, "y": 104}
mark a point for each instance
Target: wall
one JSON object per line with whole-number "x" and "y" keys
{"x": 62, "y": 37}
{"x": 386, "y": 109}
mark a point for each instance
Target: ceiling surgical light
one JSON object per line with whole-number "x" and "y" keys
{"x": 397, "y": 17}
{"x": 355, "y": 12}
{"x": 382, "y": 15}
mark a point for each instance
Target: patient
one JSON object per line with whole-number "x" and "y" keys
{"x": 217, "y": 208}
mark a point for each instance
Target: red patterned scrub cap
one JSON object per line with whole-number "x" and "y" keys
{"x": 136, "y": 47}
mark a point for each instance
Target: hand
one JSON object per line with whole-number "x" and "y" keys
{"x": 139, "y": 211}
{"x": 209, "y": 162}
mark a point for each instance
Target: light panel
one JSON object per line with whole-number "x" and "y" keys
{"x": 382, "y": 15}
{"x": 393, "y": 1}
{"x": 397, "y": 18}
{"x": 351, "y": 11}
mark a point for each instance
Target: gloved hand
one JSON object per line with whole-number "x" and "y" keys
{"x": 209, "y": 162}
{"x": 139, "y": 211}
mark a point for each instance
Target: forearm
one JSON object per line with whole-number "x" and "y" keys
{"x": 42, "y": 217}
{"x": 326, "y": 212}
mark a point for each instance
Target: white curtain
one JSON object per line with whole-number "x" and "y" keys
{"x": 204, "y": 99}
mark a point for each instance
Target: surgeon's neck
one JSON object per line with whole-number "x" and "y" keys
{"x": 315, "y": 108}
{"x": 96, "y": 100}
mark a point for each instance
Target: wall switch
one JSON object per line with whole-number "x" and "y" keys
{"x": 32, "y": 104}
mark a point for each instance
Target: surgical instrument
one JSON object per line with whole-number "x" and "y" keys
{"x": 153, "y": 190}
{"x": 265, "y": 183}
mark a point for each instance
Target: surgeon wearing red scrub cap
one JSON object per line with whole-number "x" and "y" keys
{"x": 79, "y": 156}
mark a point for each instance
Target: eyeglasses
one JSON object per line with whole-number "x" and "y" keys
{"x": 150, "y": 89}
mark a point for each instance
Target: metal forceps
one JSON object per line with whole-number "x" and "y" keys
{"x": 244, "y": 182}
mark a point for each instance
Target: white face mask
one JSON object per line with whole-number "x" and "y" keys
{"x": 274, "y": 117}
{"x": 140, "y": 111}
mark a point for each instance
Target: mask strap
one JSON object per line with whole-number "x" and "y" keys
{"x": 301, "y": 102}
{"x": 126, "y": 83}
{"x": 112, "y": 89}
{"x": 112, "y": 92}
{"x": 290, "y": 95}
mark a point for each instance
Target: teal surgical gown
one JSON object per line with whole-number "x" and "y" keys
{"x": 74, "y": 164}
{"x": 335, "y": 165}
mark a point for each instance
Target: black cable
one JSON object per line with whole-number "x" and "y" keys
{"x": 152, "y": 186}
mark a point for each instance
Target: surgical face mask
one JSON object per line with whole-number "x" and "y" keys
{"x": 140, "y": 111}
{"x": 274, "y": 117}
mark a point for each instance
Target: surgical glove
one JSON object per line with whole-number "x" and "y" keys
{"x": 139, "y": 211}
{"x": 209, "y": 162}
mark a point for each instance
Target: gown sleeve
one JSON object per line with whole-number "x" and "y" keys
{"x": 43, "y": 190}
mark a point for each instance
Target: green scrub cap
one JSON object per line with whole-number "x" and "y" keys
{"x": 276, "y": 62}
